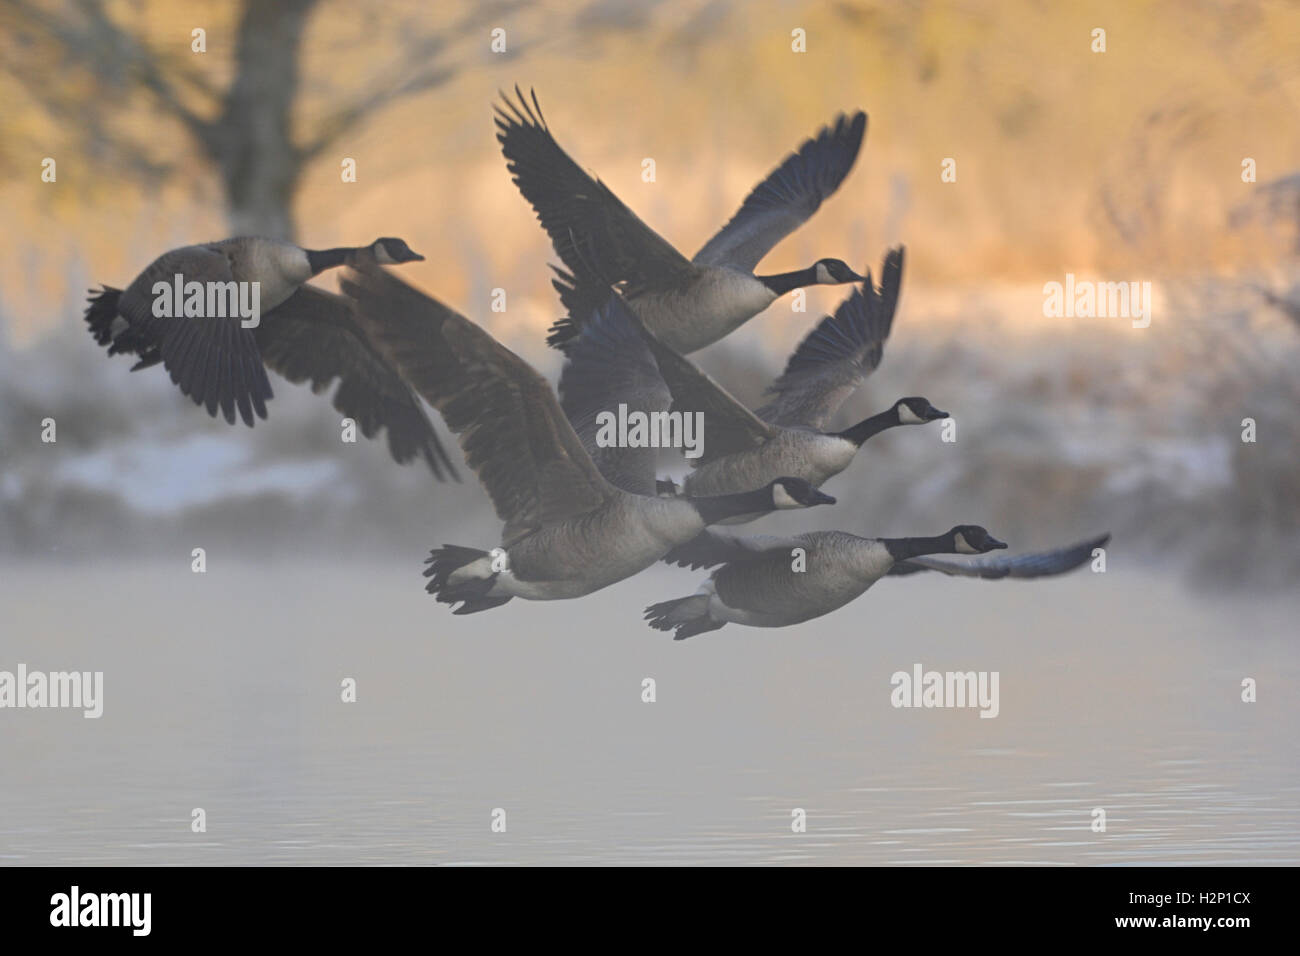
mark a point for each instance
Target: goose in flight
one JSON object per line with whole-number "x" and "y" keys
{"x": 692, "y": 303}
{"x": 758, "y": 583}
{"x": 568, "y": 531}
{"x": 624, "y": 363}
{"x": 303, "y": 333}
{"x": 772, "y": 581}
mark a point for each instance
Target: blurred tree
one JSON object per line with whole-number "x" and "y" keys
{"x": 85, "y": 62}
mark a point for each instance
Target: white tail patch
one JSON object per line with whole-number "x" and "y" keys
{"x": 477, "y": 570}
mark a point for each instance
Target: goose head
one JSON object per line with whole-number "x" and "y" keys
{"x": 972, "y": 539}
{"x": 389, "y": 252}
{"x": 796, "y": 493}
{"x": 916, "y": 411}
{"x": 834, "y": 272}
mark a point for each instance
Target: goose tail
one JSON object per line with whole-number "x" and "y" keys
{"x": 101, "y": 312}
{"x": 112, "y": 332}
{"x": 562, "y": 334}
{"x": 686, "y": 616}
{"x": 460, "y": 575}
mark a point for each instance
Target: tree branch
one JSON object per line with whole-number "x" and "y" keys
{"x": 111, "y": 54}
{"x": 420, "y": 71}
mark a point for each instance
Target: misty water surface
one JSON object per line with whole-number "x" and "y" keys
{"x": 222, "y": 691}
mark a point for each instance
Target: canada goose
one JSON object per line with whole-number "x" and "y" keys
{"x": 623, "y": 363}
{"x": 688, "y": 304}
{"x": 568, "y": 531}
{"x": 766, "y": 582}
{"x": 304, "y": 333}
{"x": 831, "y": 558}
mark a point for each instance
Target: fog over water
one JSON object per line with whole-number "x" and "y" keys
{"x": 222, "y": 691}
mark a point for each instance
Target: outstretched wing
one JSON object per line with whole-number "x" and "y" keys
{"x": 313, "y": 337}
{"x": 594, "y": 234}
{"x": 729, "y": 426}
{"x": 215, "y": 361}
{"x": 788, "y": 197}
{"x": 510, "y": 425}
{"x": 1035, "y": 564}
{"x": 836, "y": 357}
{"x": 609, "y": 365}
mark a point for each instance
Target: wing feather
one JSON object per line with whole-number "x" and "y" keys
{"x": 1035, "y": 564}
{"x": 596, "y": 236}
{"x": 836, "y": 357}
{"x": 313, "y": 337}
{"x": 610, "y": 365}
{"x": 510, "y": 425}
{"x": 215, "y": 361}
{"x": 729, "y": 427}
{"x": 788, "y": 197}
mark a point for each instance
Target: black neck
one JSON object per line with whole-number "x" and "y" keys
{"x": 784, "y": 282}
{"x": 322, "y": 259}
{"x": 870, "y": 426}
{"x": 904, "y": 548}
{"x": 721, "y": 507}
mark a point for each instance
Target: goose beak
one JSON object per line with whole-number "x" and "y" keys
{"x": 996, "y": 544}
{"x": 933, "y": 415}
{"x": 820, "y": 498}
{"x": 416, "y": 257}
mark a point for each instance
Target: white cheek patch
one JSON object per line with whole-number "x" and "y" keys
{"x": 824, "y": 275}
{"x": 909, "y": 417}
{"x": 962, "y": 546}
{"x": 781, "y": 498}
{"x": 382, "y": 256}
{"x": 294, "y": 264}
